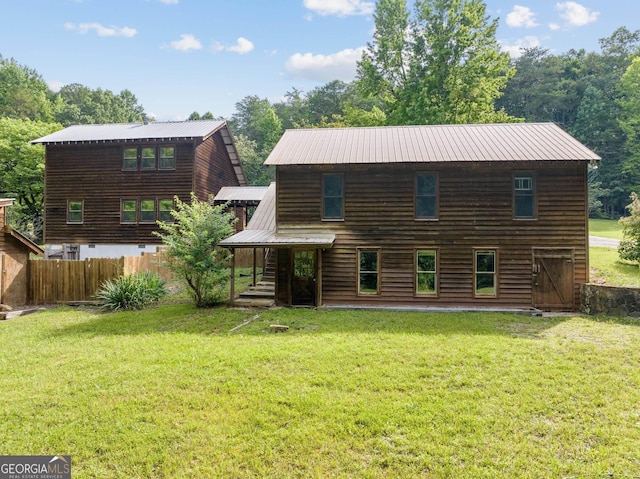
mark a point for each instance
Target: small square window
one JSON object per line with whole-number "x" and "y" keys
{"x": 147, "y": 211}
{"x": 75, "y": 211}
{"x": 164, "y": 210}
{"x": 368, "y": 271}
{"x": 130, "y": 159}
{"x": 129, "y": 211}
{"x": 426, "y": 272}
{"x": 148, "y": 156}
{"x": 167, "y": 158}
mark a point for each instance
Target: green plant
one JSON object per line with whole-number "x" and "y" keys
{"x": 630, "y": 246}
{"x": 131, "y": 291}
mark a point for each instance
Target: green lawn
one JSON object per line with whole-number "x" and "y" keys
{"x": 171, "y": 392}
{"x": 608, "y": 268}
{"x": 605, "y": 228}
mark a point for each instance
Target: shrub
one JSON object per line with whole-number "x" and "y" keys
{"x": 131, "y": 291}
{"x": 629, "y": 248}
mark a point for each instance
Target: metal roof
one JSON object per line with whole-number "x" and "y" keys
{"x": 172, "y": 130}
{"x": 240, "y": 194}
{"x": 273, "y": 239}
{"x": 429, "y": 143}
{"x": 264, "y": 217}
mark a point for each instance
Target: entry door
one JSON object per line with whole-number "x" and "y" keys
{"x": 553, "y": 279}
{"x": 303, "y": 284}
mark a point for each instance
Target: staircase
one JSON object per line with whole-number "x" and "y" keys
{"x": 264, "y": 292}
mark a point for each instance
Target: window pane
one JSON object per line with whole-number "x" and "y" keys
{"x": 129, "y": 211}
{"x": 148, "y": 158}
{"x": 524, "y": 207}
{"x": 167, "y": 157}
{"x": 426, "y": 184}
{"x": 426, "y": 272}
{"x": 426, "y": 283}
{"x": 74, "y": 213}
{"x": 485, "y": 261}
{"x": 485, "y": 273}
{"x": 368, "y": 271}
{"x": 147, "y": 211}
{"x": 485, "y": 284}
{"x": 130, "y": 159}
{"x": 427, "y": 260}
{"x": 426, "y": 206}
{"x": 426, "y": 196}
{"x": 524, "y": 196}
{"x": 332, "y": 196}
{"x": 164, "y": 210}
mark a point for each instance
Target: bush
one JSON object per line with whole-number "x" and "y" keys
{"x": 629, "y": 248}
{"x": 131, "y": 291}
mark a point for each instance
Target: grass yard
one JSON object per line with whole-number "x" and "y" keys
{"x": 605, "y": 228}
{"x": 608, "y": 268}
{"x": 171, "y": 392}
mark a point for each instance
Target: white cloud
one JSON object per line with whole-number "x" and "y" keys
{"x": 554, "y": 26}
{"x": 516, "y": 49}
{"x": 55, "y": 85}
{"x": 341, "y": 8}
{"x": 576, "y": 15}
{"x": 521, "y": 17}
{"x": 169, "y": 2}
{"x": 101, "y": 30}
{"x": 186, "y": 43}
{"x": 242, "y": 46}
{"x": 324, "y": 68}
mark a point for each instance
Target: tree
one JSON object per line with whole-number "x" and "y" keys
{"x": 191, "y": 241}
{"x": 443, "y": 66}
{"x": 22, "y": 172}
{"x": 629, "y": 248}
{"x": 23, "y": 93}
{"x": 253, "y": 162}
{"x": 629, "y": 101}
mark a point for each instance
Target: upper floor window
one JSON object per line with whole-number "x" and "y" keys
{"x": 75, "y": 210}
{"x": 524, "y": 196}
{"x": 148, "y": 158}
{"x": 332, "y": 197}
{"x": 368, "y": 271}
{"x": 167, "y": 158}
{"x": 485, "y": 271}
{"x": 426, "y": 272}
{"x": 426, "y": 196}
{"x": 130, "y": 159}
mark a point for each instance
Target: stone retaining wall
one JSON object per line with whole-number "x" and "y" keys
{"x": 610, "y": 300}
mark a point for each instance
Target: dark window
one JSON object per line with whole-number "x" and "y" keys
{"x": 167, "y": 158}
{"x": 148, "y": 158}
{"x": 426, "y": 272}
{"x": 524, "y": 196}
{"x": 130, "y": 159}
{"x": 75, "y": 210}
{"x": 147, "y": 211}
{"x": 485, "y": 273}
{"x": 164, "y": 210}
{"x": 427, "y": 196}
{"x": 332, "y": 197}
{"x": 128, "y": 212}
{"x": 368, "y": 271}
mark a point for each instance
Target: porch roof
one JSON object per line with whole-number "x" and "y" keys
{"x": 273, "y": 239}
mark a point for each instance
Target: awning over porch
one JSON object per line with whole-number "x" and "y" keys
{"x": 273, "y": 239}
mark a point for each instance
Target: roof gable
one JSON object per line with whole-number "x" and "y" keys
{"x": 429, "y": 143}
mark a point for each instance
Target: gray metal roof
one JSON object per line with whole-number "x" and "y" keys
{"x": 428, "y": 143}
{"x": 264, "y": 217}
{"x": 273, "y": 239}
{"x": 240, "y": 194}
{"x": 172, "y": 130}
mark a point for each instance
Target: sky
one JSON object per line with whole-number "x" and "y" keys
{"x": 181, "y": 56}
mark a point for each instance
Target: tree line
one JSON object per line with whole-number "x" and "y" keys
{"x": 438, "y": 64}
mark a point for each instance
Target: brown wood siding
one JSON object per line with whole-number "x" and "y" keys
{"x": 475, "y": 210}
{"x": 213, "y": 169}
{"x": 13, "y": 268}
{"x": 93, "y": 173}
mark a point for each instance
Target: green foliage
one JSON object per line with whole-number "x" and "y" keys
{"x": 443, "y": 66}
{"x": 24, "y": 94}
{"x": 253, "y": 162}
{"x": 131, "y": 292}
{"x": 191, "y": 241}
{"x": 630, "y": 246}
{"x": 22, "y": 172}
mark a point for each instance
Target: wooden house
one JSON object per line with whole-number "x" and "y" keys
{"x": 473, "y": 216}
{"x": 15, "y": 249}
{"x": 107, "y": 185}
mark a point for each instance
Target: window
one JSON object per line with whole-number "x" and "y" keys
{"x": 167, "y": 158}
{"x": 148, "y": 156}
{"x": 147, "y": 211}
{"x": 485, "y": 273}
{"x": 426, "y": 272}
{"x": 332, "y": 197}
{"x": 75, "y": 210}
{"x": 524, "y": 196}
{"x": 128, "y": 212}
{"x": 130, "y": 159}
{"x": 426, "y": 196}
{"x": 368, "y": 271}
{"x": 164, "y": 210}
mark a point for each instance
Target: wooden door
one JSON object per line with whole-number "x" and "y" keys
{"x": 1, "y": 278}
{"x": 553, "y": 279}
{"x": 303, "y": 284}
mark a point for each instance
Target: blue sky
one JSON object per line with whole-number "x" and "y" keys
{"x": 180, "y": 56}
